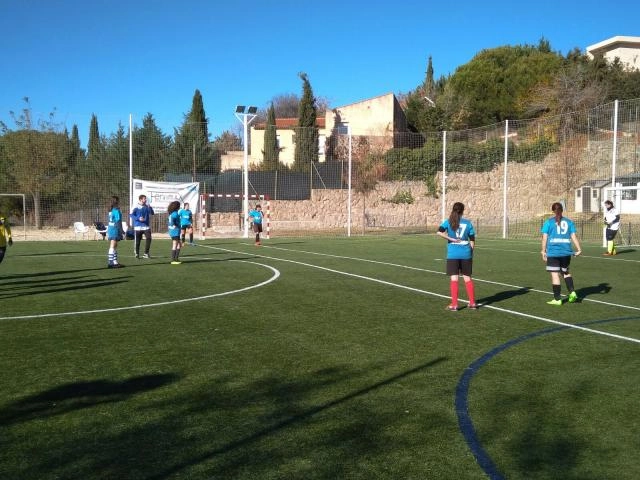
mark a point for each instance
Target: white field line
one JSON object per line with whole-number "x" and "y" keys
{"x": 275, "y": 275}
{"x": 417, "y": 290}
{"x": 437, "y": 272}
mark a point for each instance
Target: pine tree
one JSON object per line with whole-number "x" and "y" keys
{"x": 306, "y": 150}
{"x": 271, "y": 152}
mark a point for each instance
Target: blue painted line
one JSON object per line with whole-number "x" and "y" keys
{"x": 462, "y": 392}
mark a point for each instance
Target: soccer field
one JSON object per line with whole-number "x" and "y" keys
{"x": 315, "y": 358}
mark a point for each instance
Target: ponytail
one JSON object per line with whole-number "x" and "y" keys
{"x": 557, "y": 209}
{"x": 456, "y": 215}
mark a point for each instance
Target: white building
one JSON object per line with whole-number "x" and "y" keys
{"x": 627, "y": 49}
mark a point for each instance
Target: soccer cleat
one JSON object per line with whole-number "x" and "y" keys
{"x": 146, "y": 255}
{"x": 473, "y": 306}
{"x": 116, "y": 265}
{"x": 452, "y": 308}
{"x": 554, "y": 302}
{"x": 258, "y": 244}
{"x": 137, "y": 255}
{"x": 607, "y": 254}
{"x": 175, "y": 262}
{"x": 573, "y": 297}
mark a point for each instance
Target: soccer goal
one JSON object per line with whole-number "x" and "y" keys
{"x": 627, "y": 201}
{"x": 204, "y": 213}
{"x": 24, "y": 210}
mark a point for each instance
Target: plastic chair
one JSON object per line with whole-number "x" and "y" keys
{"x": 79, "y": 228}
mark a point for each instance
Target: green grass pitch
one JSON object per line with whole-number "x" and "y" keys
{"x": 315, "y": 358}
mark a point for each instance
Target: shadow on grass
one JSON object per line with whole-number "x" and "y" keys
{"x": 505, "y": 295}
{"x": 10, "y": 290}
{"x": 551, "y": 452}
{"x": 322, "y": 424}
{"x": 622, "y": 251}
{"x": 600, "y": 289}
{"x": 79, "y": 395}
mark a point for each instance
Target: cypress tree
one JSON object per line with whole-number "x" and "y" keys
{"x": 306, "y": 150}
{"x": 271, "y": 152}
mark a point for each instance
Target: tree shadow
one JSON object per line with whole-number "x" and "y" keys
{"x": 79, "y": 395}
{"x": 321, "y": 424}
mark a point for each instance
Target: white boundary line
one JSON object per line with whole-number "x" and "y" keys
{"x": 433, "y": 294}
{"x": 437, "y": 272}
{"x": 276, "y": 274}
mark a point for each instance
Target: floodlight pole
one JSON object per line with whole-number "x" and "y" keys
{"x": 246, "y": 119}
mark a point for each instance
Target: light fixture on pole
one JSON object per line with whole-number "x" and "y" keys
{"x": 246, "y": 115}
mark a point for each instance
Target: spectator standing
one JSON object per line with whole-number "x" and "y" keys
{"x": 141, "y": 221}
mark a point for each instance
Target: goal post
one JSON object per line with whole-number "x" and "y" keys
{"x": 204, "y": 214}
{"x": 24, "y": 210}
{"x": 627, "y": 201}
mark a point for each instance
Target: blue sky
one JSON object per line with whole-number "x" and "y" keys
{"x": 115, "y": 58}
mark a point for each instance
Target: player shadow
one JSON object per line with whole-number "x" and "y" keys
{"x": 186, "y": 259}
{"x": 50, "y": 273}
{"x": 600, "y": 289}
{"x": 501, "y": 296}
{"x": 79, "y": 395}
{"x": 62, "y": 285}
{"x": 620, "y": 251}
{"x": 79, "y": 252}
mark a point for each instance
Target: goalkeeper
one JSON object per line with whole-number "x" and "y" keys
{"x": 612, "y": 222}
{"x": 255, "y": 216}
{"x": 5, "y": 236}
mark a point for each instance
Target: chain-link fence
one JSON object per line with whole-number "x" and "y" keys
{"x": 506, "y": 174}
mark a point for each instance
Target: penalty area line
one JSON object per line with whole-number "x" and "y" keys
{"x": 434, "y": 294}
{"x": 276, "y": 274}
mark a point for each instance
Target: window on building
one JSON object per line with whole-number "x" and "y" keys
{"x": 341, "y": 128}
{"x": 631, "y": 194}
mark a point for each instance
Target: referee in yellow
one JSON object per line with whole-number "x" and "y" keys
{"x": 5, "y": 236}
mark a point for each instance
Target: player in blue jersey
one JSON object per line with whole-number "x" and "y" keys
{"x": 174, "y": 231}
{"x": 141, "y": 219}
{"x": 115, "y": 233}
{"x": 558, "y": 232}
{"x": 255, "y": 216}
{"x": 186, "y": 223}
{"x": 461, "y": 240}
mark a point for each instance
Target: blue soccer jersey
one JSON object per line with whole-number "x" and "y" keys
{"x": 256, "y": 216}
{"x": 174, "y": 224}
{"x": 185, "y": 217}
{"x": 558, "y": 236}
{"x": 465, "y": 233}
{"x": 114, "y": 225}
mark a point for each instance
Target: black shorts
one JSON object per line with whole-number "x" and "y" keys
{"x": 257, "y": 228}
{"x": 186, "y": 227}
{"x": 558, "y": 264}
{"x": 611, "y": 234}
{"x": 459, "y": 267}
